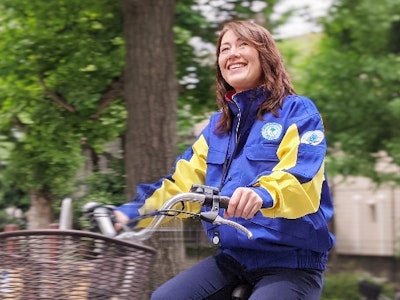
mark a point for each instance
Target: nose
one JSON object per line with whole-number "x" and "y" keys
{"x": 233, "y": 52}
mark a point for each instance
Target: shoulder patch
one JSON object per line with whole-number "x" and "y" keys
{"x": 271, "y": 131}
{"x": 312, "y": 137}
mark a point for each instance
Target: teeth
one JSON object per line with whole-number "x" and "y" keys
{"x": 236, "y": 66}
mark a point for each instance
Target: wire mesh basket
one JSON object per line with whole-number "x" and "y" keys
{"x": 71, "y": 264}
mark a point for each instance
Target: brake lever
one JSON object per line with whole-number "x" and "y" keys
{"x": 211, "y": 217}
{"x": 219, "y": 220}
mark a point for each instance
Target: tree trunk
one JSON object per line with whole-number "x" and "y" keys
{"x": 40, "y": 213}
{"x": 151, "y": 91}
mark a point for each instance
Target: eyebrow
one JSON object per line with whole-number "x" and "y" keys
{"x": 227, "y": 43}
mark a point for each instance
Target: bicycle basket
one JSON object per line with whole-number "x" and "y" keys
{"x": 71, "y": 264}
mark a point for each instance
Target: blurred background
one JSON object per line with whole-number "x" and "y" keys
{"x": 97, "y": 96}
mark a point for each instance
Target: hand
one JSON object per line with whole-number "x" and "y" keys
{"x": 244, "y": 203}
{"x": 120, "y": 219}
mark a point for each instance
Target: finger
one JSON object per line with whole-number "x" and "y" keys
{"x": 233, "y": 203}
{"x": 247, "y": 212}
{"x": 242, "y": 207}
{"x": 252, "y": 203}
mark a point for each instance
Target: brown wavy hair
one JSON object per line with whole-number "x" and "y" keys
{"x": 275, "y": 78}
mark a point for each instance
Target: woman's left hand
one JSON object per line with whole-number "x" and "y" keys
{"x": 244, "y": 203}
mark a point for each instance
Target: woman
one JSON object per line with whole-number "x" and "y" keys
{"x": 265, "y": 149}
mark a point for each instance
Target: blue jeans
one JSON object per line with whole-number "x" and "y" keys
{"x": 215, "y": 278}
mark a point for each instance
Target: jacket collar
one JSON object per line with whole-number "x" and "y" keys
{"x": 239, "y": 102}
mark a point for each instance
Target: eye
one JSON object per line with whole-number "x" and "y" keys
{"x": 243, "y": 44}
{"x": 224, "y": 49}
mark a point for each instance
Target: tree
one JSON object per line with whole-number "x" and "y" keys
{"x": 354, "y": 80}
{"x": 60, "y": 86}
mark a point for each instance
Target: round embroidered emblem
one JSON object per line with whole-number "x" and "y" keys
{"x": 312, "y": 137}
{"x": 271, "y": 131}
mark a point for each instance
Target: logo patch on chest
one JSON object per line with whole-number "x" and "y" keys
{"x": 271, "y": 131}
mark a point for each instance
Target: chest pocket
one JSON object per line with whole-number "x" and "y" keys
{"x": 215, "y": 161}
{"x": 261, "y": 157}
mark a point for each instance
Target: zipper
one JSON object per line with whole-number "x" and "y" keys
{"x": 239, "y": 116}
{"x": 229, "y": 156}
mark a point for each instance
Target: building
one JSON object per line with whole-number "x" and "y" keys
{"x": 367, "y": 226}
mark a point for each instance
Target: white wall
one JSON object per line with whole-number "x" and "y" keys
{"x": 366, "y": 217}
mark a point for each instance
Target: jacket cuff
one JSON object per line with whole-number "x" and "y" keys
{"x": 268, "y": 202}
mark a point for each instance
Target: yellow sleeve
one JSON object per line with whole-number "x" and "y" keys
{"x": 187, "y": 172}
{"x": 291, "y": 198}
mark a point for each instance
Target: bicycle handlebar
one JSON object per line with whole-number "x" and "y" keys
{"x": 102, "y": 215}
{"x": 145, "y": 233}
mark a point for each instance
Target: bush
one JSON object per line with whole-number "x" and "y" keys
{"x": 347, "y": 286}
{"x": 341, "y": 286}
{"x": 5, "y": 220}
{"x": 102, "y": 187}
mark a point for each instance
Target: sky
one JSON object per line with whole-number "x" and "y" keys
{"x": 304, "y": 21}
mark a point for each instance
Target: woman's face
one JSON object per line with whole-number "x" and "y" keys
{"x": 239, "y": 63}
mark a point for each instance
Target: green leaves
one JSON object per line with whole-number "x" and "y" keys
{"x": 58, "y": 61}
{"x": 355, "y": 81}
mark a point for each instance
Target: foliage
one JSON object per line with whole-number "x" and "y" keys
{"x": 341, "y": 286}
{"x": 55, "y": 68}
{"x": 296, "y": 53}
{"x": 194, "y": 68}
{"x": 105, "y": 187}
{"x": 5, "y": 220}
{"x": 346, "y": 286}
{"x": 10, "y": 194}
{"x": 354, "y": 79}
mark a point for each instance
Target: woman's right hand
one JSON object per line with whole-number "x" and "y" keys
{"x": 244, "y": 203}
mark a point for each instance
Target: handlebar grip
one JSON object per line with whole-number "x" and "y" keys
{"x": 103, "y": 218}
{"x": 223, "y": 201}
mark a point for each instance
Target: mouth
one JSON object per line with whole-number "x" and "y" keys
{"x": 236, "y": 66}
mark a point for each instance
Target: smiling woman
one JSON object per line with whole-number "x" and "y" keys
{"x": 239, "y": 62}
{"x": 249, "y": 43}
{"x": 265, "y": 150}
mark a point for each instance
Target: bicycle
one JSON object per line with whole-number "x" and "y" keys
{"x": 75, "y": 264}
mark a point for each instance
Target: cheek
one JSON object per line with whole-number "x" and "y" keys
{"x": 257, "y": 68}
{"x": 221, "y": 62}
{"x": 221, "y": 68}
{"x": 259, "y": 71}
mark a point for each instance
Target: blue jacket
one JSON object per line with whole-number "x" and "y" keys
{"x": 282, "y": 159}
